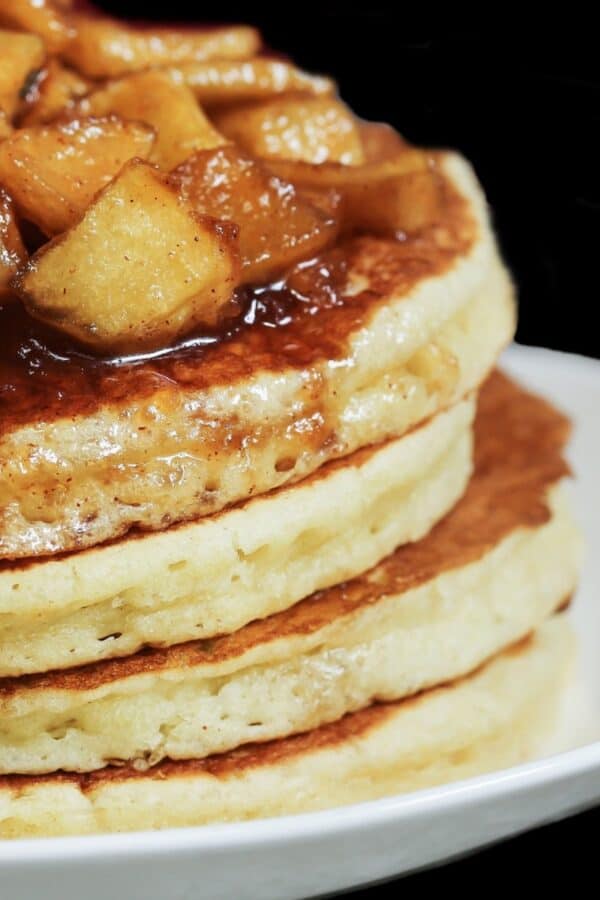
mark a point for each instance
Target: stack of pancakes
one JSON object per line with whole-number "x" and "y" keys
{"x": 309, "y": 565}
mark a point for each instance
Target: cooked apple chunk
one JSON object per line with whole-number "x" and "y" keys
{"x": 40, "y": 17}
{"x": 154, "y": 97}
{"x": 140, "y": 269}
{"x": 396, "y": 205}
{"x": 380, "y": 141}
{"x": 104, "y": 48}
{"x": 21, "y": 55}
{"x": 5, "y": 126}
{"x": 12, "y": 251}
{"x": 56, "y": 89}
{"x": 278, "y": 227}
{"x": 397, "y": 194}
{"x": 220, "y": 81}
{"x": 313, "y": 129}
{"x": 54, "y": 171}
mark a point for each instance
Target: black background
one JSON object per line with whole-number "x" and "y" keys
{"x": 522, "y": 101}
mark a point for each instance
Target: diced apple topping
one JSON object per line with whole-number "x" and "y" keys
{"x": 104, "y": 48}
{"x": 39, "y": 17}
{"x": 54, "y": 171}
{"x": 221, "y": 81}
{"x": 312, "y": 129}
{"x": 12, "y": 251}
{"x": 397, "y": 194}
{"x": 137, "y": 271}
{"x": 278, "y": 227}
{"x": 170, "y": 108}
{"x": 54, "y": 91}
{"x": 155, "y": 169}
{"x": 5, "y": 126}
{"x": 21, "y": 55}
{"x": 380, "y": 141}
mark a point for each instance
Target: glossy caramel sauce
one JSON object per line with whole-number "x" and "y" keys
{"x": 306, "y": 317}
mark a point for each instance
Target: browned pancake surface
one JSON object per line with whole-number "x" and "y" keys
{"x": 518, "y": 456}
{"x": 256, "y": 755}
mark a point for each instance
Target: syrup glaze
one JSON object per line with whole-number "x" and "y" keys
{"x": 305, "y": 317}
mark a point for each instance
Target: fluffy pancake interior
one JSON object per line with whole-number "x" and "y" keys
{"x": 489, "y": 720}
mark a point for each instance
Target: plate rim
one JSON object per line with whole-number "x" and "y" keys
{"x": 284, "y": 829}
{"x": 280, "y": 830}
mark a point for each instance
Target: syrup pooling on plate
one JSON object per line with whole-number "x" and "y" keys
{"x": 306, "y": 316}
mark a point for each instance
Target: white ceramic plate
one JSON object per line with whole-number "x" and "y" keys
{"x": 317, "y": 853}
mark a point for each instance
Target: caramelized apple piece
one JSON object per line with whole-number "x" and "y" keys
{"x": 153, "y": 97}
{"x": 105, "y": 48}
{"x": 399, "y": 194}
{"x": 139, "y": 269}
{"x": 21, "y": 55}
{"x": 12, "y": 251}
{"x": 40, "y": 17}
{"x": 56, "y": 89}
{"x": 5, "y": 126}
{"x": 328, "y": 201}
{"x": 54, "y": 171}
{"x": 400, "y": 204}
{"x": 335, "y": 175}
{"x": 380, "y": 141}
{"x": 278, "y": 227}
{"x": 313, "y": 129}
{"x": 220, "y": 81}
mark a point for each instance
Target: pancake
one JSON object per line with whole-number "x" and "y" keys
{"x": 494, "y": 718}
{"x": 389, "y": 332}
{"x": 328, "y": 656}
{"x": 215, "y": 575}
{"x": 431, "y": 612}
